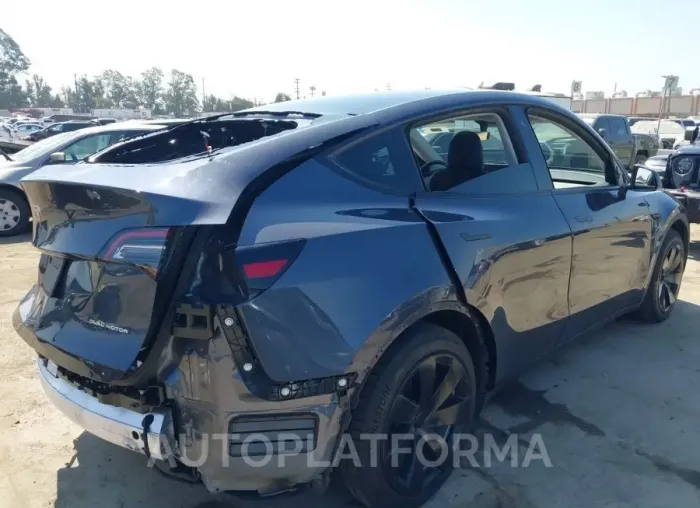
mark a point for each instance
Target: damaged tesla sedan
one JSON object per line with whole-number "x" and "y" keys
{"x": 283, "y": 282}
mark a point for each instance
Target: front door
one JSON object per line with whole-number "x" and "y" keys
{"x": 611, "y": 223}
{"x": 507, "y": 241}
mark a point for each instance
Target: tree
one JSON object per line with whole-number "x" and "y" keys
{"x": 181, "y": 97}
{"x": 116, "y": 88}
{"x": 239, "y": 103}
{"x": 38, "y": 92}
{"x": 282, "y": 97}
{"x": 68, "y": 97}
{"x": 84, "y": 95}
{"x": 57, "y": 102}
{"x": 12, "y": 62}
{"x": 150, "y": 90}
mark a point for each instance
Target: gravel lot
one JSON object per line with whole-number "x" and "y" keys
{"x": 618, "y": 413}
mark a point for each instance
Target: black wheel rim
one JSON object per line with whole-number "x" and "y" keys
{"x": 670, "y": 277}
{"x": 434, "y": 400}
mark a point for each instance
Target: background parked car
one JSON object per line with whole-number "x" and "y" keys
{"x": 59, "y": 128}
{"x": 666, "y": 130}
{"x": 629, "y": 147}
{"x": 64, "y": 148}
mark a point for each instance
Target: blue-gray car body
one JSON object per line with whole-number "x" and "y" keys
{"x": 355, "y": 261}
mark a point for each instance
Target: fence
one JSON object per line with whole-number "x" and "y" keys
{"x": 680, "y": 106}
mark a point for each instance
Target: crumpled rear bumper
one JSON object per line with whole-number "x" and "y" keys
{"x": 120, "y": 426}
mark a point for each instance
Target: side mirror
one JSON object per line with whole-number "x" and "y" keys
{"x": 603, "y": 132}
{"x": 645, "y": 177}
{"x": 57, "y": 158}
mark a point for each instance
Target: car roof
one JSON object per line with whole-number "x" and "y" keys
{"x": 410, "y": 101}
{"x": 596, "y": 115}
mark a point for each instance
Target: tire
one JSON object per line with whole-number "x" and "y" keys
{"x": 380, "y": 401}
{"x": 659, "y": 302}
{"x": 14, "y": 213}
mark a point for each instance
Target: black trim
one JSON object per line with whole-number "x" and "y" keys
{"x": 256, "y": 380}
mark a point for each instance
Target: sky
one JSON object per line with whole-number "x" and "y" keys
{"x": 255, "y": 49}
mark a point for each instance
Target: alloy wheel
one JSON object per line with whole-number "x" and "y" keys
{"x": 9, "y": 214}
{"x": 670, "y": 277}
{"x": 432, "y": 403}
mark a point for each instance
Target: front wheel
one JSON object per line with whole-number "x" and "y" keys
{"x": 416, "y": 402}
{"x": 665, "y": 284}
{"x": 14, "y": 213}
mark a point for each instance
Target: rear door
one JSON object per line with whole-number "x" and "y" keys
{"x": 507, "y": 240}
{"x": 612, "y": 224}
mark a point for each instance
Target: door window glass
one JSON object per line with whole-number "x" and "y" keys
{"x": 572, "y": 161}
{"x": 455, "y": 150}
{"x": 86, "y": 146}
{"x": 619, "y": 127}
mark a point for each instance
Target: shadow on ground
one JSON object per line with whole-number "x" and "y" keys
{"x": 101, "y": 474}
{"x": 9, "y": 240}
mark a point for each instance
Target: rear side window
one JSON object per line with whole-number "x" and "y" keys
{"x": 382, "y": 160}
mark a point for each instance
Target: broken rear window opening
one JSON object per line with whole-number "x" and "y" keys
{"x": 189, "y": 139}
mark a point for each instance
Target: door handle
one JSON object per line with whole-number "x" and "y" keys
{"x": 583, "y": 218}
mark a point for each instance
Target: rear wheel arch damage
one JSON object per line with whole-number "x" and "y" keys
{"x": 468, "y": 323}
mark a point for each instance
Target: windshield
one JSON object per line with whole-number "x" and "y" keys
{"x": 45, "y": 146}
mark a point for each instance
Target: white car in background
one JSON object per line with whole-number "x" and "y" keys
{"x": 668, "y": 131}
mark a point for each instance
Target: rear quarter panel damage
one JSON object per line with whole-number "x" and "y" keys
{"x": 368, "y": 265}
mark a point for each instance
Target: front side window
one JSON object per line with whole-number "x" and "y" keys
{"x": 455, "y": 150}
{"x": 571, "y": 160}
{"x": 56, "y": 128}
{"x": 86, "y": 146}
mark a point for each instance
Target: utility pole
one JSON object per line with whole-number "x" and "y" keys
{"x": 313, "y": 90}
{"x": 75, "y": 99}
{"x": 204, "y": 98}
{"x": 296, "y": 85}
{"x": 388, "y": 86}
{"x": 670, "y": 83}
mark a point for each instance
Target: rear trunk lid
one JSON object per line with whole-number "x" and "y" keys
{"x": 110, "y": 237}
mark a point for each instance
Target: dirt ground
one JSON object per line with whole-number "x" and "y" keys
{"x": 618, "y": 413}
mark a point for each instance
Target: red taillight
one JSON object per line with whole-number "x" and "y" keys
{"x": 264, "y": 269}
{"x": 141, "y": 247}
{"x": 265, "y": 263}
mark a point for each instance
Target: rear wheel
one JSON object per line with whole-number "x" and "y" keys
{"x": 418, "y": 398}
{"x": 665, "y": 284}
{"x": 14, "y": 213}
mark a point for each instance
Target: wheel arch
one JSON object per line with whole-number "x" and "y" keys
{"x": 14, "y": 189}
{"x": 683, "y": 230}
{"x": 465, "y": 321}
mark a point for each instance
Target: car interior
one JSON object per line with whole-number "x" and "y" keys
{"x": 192, "y": 138}
{"x": 457, "y": 150}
